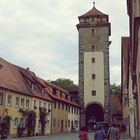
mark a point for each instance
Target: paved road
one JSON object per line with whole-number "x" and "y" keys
{"x": 67, "y": 136}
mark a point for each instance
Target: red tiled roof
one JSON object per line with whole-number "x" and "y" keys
{"x": 62, "y": 99}
{"x": 18, "y": 79}
{"x": 58, "y": 97}
{"x": 57, "y": 87}
{"x": 115, "y": 103}
{"x": 93, "y": 12}
{"x": 10, "y": 78}
{"x": 13, "y": 77}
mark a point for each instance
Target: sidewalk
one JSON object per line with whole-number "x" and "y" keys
{"x": 125, "y": 137}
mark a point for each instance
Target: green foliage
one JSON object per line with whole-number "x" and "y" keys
{"x": 31, "y": 121}
{"x": 30, "y": 117}
{"x": 63, "y": 82}
{"x": 42, "y": 118}
{"x": 5, "y": 126}
{"x": 115, "y": 89}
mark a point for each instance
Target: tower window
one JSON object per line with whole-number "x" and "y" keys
{"x": 93, "y": 92}
{"x": 93, "y": 19}
{"x": 93, "y": 47}
{"x": 99, "y": 19}
{"x": 93, "y": 31}
{"x": 93, "y": 76}
{"x": 81, "y": 62}
{"x": 93, "y": 60}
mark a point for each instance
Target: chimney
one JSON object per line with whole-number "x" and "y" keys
{"x": 28, "y": 69}
{"x": 1, "y": 66}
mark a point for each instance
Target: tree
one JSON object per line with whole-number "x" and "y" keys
{"x": 115, "y": 89}
{"x": 5, "y": 126}
{"x": 30, "y": 121}
{"x": 63, "y": 82}
{"x": 43, "y": 118}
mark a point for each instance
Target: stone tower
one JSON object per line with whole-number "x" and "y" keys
{"x": 94, "y": 77}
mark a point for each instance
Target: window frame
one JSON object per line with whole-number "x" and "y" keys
{"x": 1, "y": 98}
{"x": 93, "y": 92}
{"x": 22, "y": 103}
{"x": 17, "y": 102}
{"x": 9, "y": 100}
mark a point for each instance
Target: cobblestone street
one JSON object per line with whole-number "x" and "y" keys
{"x": 67, "y": 136}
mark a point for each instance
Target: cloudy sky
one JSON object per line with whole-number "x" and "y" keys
{"x": 42, "y": 35}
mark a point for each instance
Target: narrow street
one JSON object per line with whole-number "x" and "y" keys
{"x": 67, "y": 136}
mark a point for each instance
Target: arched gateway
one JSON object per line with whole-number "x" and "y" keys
{"x": 94, "y": 113}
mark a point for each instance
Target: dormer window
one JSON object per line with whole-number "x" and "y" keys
{"x": 54, "y": 91}
{"x": 68, "y": 97}
{"x": 33, "y": 86}
{"x": 42, "y": 90}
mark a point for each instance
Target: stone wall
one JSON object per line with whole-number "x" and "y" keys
{"x": 89, "y": 42}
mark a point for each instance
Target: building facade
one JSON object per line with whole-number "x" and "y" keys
{"x": 127, "y": 97}
{"x": 65, "y": 109}
{"x": 133, "y": 7}
{"x": 22, "y": 92}
{"x": 2, "y": 103}
{"x": 94, "y": 80}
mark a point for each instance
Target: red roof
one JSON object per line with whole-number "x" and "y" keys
{"x": 93, "y": 12}
{"x": 10, "y": 78}
{"x": 20, "y": 80}
{"x": 115, "y": 104}
{"x": 17, "y": 79}
{"x": 57, "y": 96}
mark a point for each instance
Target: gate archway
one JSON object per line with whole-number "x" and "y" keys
{"x": 94, "y": 113}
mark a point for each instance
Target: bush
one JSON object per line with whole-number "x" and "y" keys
{"x": 20, "y": 131}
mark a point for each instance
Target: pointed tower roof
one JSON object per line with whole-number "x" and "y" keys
{"x": 93, "y": 12}
{"x": 93, "y": 18}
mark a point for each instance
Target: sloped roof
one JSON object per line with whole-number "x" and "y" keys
{"x": 10, "y": 78}
{"x": 115, "y": 104}
{"x": 57, "y": 96}
{"x": 93, "y": 12}
{"x": 17, "y": 79}
{"x": 13, "y": 78}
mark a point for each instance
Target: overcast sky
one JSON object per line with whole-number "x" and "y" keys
{"x": 42, "y": 35}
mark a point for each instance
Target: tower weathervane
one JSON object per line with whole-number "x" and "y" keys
{"x": 93, "y": 3}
